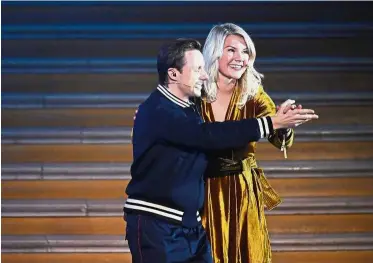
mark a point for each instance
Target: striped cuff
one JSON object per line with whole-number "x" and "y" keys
{"x": 160, "y": 210}
{"x": 265, "y": 126}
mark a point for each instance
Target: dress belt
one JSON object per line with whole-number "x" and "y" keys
{"x": 222, "y": 167}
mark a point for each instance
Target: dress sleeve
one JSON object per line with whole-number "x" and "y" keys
{"x": 264, "y": 106}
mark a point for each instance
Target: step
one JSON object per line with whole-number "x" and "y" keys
{"x": 323, "y": 256}
{"x": 148, "y": 65}
{"x": 80, "y": 117}
{"x": 127, "y": 12}
{"x": 128, "y": 101}
{"x": 277, "y": 224}
{"x": 21, "y": 117}
{"x": 145, "y": 82}
{"x": 116, "y": 41}
{"x": 82, "y": 217}
{"x": 121, "y": 171}
{"x": 117, "y": 243}
{"x": 122, "y": 135}
{"x": 109, "y": 189}
{"x": 278, "y": 257}
{"x": 86, "y": 152}
{"x": 94, "y": 257}
{"x": 79, "y": 208}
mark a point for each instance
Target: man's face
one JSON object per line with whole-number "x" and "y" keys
{"x": 193, "y": 73}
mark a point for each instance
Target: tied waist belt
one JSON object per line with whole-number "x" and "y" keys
{"x": 156, "y": 209}
{"x": 222, "y": 167}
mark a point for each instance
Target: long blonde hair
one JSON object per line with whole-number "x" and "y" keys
{"x": 213, "y": 50}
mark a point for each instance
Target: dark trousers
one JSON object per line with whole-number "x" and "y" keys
{"x": 153, "y": 240}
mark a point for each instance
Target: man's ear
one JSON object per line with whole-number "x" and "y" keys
{"x": 172, "y": 74}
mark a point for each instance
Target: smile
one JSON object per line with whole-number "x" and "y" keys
{"x": 236, "y": 67}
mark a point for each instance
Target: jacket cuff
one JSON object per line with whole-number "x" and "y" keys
{"x": 265, "y": 126}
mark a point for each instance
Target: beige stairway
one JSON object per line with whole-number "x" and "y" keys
{"x": 66, "y": 150}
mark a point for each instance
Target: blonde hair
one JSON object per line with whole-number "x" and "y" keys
{"x": 213, "y": 50}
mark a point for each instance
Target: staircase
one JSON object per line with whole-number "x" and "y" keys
{"x": 73, "y": 74}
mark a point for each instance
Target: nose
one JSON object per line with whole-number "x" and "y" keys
{"x": 238, "y": 56}
{"x": 203, "y": 75}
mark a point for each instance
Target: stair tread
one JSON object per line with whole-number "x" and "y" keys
{"x": 110, "y": 225}
{"x": 322, "y": 81}
{"x": 122, "y": 135}
{"x": 114, "y": 207}
{"x": 121, "y": 170}
{"x": 117, "y": 243}
{"x": 115, "y": 189}
{"x": 319, "y": 150}
{"x": 113, "y": 257}
{"x": 132, "y": 100}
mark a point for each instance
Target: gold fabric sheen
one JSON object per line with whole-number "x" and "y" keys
{"x": 233, "y": 213}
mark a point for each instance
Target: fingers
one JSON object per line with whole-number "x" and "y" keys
{"x": 288, "y": 107}
{"x": 303, "y": 111}
{"x": 305, "y": 117}
{"x": 285, "y": 104}
{"x": 302, "y": 122}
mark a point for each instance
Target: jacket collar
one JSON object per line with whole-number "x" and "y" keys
{"x": 173, "y": 98}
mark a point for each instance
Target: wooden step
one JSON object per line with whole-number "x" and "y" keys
{"x": 132, "y": 100}
{"x": 325, "y": 45}
{"x": 278, "y": 257}
{"x": 121, "y": 170}
{"x": 323, "y": 256}
{"x": 117, "y": 243}
{"x": 109, "y": 117}
{"x": 76, "y": 83}
{"x": 146, "y": 82}
{"x": 13, "y": 153}
{"x": 69, "y": 117}
{"x": 282, "y": 224}
{"x": 65, "y": 189}
{"x": 277, "y": 224}
{"x": 148, "y": 65}
{"x": 122, "y": 135}
{"x": 67, "y": 257}
{"x": 68, "y": 208}
{"x": 115, "y": 189}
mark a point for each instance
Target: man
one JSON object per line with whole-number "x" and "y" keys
{"x": 170, "y": 140}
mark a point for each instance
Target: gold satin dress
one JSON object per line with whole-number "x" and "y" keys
{"x": 234, "y": 205}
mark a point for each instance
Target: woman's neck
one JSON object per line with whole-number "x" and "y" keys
{"x": 225, "y": 87}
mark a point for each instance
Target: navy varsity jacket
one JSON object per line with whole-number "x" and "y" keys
{"x": 170, "y": 142}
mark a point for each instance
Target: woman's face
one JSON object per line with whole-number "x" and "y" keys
{"x": 235, "y": 58}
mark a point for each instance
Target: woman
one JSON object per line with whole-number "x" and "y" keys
{"x": 236, "y": 189}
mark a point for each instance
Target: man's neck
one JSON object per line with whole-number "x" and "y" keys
{"x": 175, "y": 90}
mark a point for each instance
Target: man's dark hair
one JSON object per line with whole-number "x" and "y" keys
{"x": 171, "y": 55}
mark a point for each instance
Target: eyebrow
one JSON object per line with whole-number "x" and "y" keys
{"x": 246, "y": 49}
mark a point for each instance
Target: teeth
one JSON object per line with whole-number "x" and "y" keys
{"x": 235, "y": 66}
